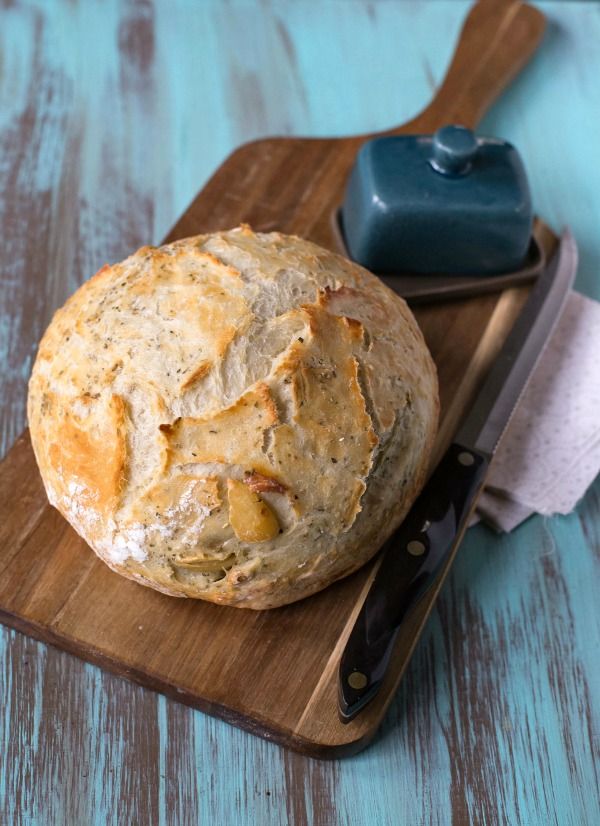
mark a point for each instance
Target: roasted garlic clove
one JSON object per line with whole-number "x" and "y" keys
{"x": 249, "y": 515}
{"x": 202, "y": 564}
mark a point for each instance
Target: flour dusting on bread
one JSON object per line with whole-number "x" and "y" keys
{"x": 237, "y": 417}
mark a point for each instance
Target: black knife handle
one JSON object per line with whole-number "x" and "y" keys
{"x": 413, "y": 557}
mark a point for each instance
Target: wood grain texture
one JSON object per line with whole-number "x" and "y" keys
{"x": 489, "y": 724}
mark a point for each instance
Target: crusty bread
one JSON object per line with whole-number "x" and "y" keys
{"x": 238, "y": 417}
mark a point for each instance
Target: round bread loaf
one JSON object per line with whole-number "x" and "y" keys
{"x": 238, "y": 417}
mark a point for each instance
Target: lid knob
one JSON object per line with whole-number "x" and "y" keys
{"x": 454, "y": 148}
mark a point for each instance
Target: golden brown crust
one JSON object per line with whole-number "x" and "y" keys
{"x": 84, "y": 431}
{"x": 236, "y": 417}
{"x": 231, "y": 436}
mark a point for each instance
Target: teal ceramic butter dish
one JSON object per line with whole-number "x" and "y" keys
{"x": 447, "y": 203}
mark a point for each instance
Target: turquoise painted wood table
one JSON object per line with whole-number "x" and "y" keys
{"x": 112, "y": 115}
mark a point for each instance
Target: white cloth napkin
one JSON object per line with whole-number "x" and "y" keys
{"x": 550, "y": 453}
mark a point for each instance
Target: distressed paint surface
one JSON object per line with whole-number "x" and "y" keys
{"x": 112, "y": 115}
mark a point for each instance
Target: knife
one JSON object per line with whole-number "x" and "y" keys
{"x": 416, "y": 552}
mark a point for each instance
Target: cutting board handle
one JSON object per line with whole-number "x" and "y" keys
{"x": 496, "y": 41}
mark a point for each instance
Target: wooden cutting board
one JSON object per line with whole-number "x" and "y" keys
{"x": 272, "y": 672}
